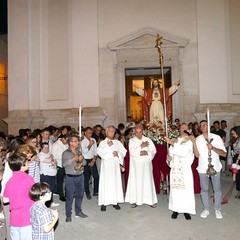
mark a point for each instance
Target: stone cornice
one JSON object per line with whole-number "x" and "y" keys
{"x": 140, "y": 39}
{"x": 219, "y": 107}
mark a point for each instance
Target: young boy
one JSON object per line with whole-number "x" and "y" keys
{"x": 43, "y": 219}
{"x": 17, "y": 194}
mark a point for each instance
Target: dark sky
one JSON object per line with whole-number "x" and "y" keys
{"x": 3, "y": 16}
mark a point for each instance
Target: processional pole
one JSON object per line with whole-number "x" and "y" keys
{"x": 158, "y": 46}
{"x": 210, "y": 170}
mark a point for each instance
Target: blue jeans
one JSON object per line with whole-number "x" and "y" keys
{"x": 74, "y": 188}
{"x": 88, "y": 171}
{"x": 60, "y": 180}
{"x": 49, "y": 180}
{"x": 204, "y": 182}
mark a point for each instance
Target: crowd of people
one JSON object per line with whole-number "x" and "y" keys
{"x": 37, "y": 164}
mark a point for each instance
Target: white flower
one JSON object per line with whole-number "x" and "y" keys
{"x": 156, "y": 131}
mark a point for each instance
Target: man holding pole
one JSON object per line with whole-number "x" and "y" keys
{"x": 73, "y": 162}
{"x": 203, "y": 145}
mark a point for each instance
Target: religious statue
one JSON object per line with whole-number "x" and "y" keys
{"x": 153, "y": 101}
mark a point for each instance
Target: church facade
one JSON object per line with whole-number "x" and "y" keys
{"x": 63, "y": 54}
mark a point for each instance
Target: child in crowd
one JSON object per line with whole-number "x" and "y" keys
{"x": 33, "y": 160}
{"x": 48, "y": 168}
{"x": 17, "y": 194}
{"x": 43, "y": 219}
{"x": 12, "y": 146}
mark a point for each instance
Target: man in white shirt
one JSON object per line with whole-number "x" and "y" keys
{"x": 130, "y": 123}
{"x": 57, "y": 150}
{"x": 201, "y": 148}
{"x": 89, "y": 152}
{"x": 45, "y": 135}
{"x": 226, "y": 144}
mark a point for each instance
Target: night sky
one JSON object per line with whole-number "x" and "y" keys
{"x": 3, "y": 16}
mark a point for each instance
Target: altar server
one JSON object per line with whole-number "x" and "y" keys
{"x": 141, "y": 188}
{"x": 112, "y": 153}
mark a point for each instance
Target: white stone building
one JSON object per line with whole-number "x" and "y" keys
{"x": 66, "y": 53}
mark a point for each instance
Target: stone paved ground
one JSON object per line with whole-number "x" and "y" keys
{"x": 146, "y": 223}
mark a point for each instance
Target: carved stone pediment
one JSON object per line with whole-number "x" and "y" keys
{"x": 144, "y": 38}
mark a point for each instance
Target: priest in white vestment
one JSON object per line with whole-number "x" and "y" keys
{"x": 112, "y": 153}
{"x": 180, "y": 159}
{"x": 140, "y": 187}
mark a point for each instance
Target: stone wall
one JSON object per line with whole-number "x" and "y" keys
{"x": 63, "y": 53}
{"x": 34, "y": 119}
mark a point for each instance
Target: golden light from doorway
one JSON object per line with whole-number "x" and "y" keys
{"x": 139, "y": 83}
{"x": 3, "y": 80}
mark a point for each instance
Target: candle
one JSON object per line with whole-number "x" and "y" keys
{"x": 208, "y": 122}
{"x": 80, "y": 120}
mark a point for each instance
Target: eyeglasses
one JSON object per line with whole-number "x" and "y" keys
{"x": 3, "y": 150}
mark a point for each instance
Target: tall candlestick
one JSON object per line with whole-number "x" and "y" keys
{"x": 208, "y": 122}
{"x": 80, "y": 120}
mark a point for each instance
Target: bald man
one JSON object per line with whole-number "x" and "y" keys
{"x": 141, "y": 188}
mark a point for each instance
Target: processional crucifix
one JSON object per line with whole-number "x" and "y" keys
{"x": 158, "y": 46}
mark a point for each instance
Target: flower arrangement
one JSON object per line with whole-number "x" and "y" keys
{"x": 156, "y": 131}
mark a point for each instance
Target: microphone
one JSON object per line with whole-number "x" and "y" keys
{"x": 187, "y": 133}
